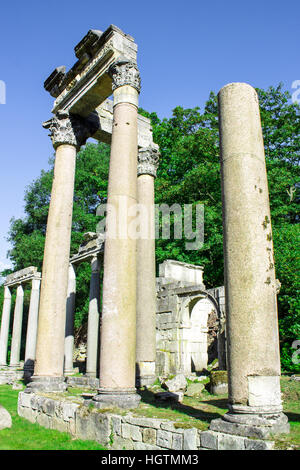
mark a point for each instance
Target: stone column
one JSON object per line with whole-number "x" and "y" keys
{"x": 146, "y": 277}
{"x": 5, "y": 326}
{"x": 70, "y": 312}
{"x": 118, "y": 325}
{"x": 252, "y": 327}
{"x": 32, "y": 328}
{"x": 93, "y": 319}
{"x": 68, "y": 133}
{"x": 17, "y": 329}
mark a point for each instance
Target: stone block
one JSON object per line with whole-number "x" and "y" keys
{"x": 130, "y": 431}
{"x": 24, "y": 399}
{"x": 164, "y": 439}
{"x": 5, "y": 418}
{"x": 149, "y": 436}
{"x": 230, "y": 442}
{"x": 119, "y": 443}
{"x": 177, "y": 441}
{"x": 256, "y": 444}
{"x": 43, "y": 420}
{"x": 116, "y": 423}
{"x": 59, "y": 424}
{"x": 190, "y": 439}
{"x": 143, "y": 422}
{"x": 145, "y": 446}
{"x": 69, "y": 410}
{"x": 209, "y": 440}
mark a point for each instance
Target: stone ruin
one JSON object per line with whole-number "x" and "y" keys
{"x": 106, "y": 64}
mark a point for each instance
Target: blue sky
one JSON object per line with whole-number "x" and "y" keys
{"x": 185, "y": 50}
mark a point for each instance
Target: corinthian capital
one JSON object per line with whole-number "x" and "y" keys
{"x": 148, "y": 159}
{"x": 70, "y": 129}
{"x": 125, "y": 72}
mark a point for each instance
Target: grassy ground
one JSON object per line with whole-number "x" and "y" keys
{"x": 24, "y": 435}
{"x": 192, "y": 412}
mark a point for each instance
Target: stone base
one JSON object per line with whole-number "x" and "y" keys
{"x": 127, "y": 399}
{"x": 145, "y": 373}
{"x": 9, "y": 376}
{"x": 251, "y": 425}
{"x": 83, "y": 382}
{"x": 46, "y": 384}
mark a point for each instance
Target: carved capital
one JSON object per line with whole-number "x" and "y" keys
{"x": 70, "y": 129}
{"x": 125, "y": 72}
{"x": 148, "y": 159}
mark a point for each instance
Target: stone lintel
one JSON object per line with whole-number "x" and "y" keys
{"x": 179, "y": 271}
{"x": 92, "y": 245}
{"x": 87, "y": 84}
{"x": 22, "y": 276}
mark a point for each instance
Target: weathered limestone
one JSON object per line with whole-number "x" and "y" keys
{"x": 252, "y": 329}
{"x": 93, "y": 319}
{"x": 5, "y": 326}
{"x": 32, "y": 324}
{"x": 70, "y": 311}
{"x": 17, "y": 329}
{"x": 68, "y": 133}
{"x": 118, "y": 328}
{"x": 146, "y": 277}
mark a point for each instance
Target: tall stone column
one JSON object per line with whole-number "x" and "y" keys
{"x": 93, "y": 319}
{"x": 68, "y": 132}
{"x": 252, "y": 327}
{"x": 32, "y": 324}
{"x": 146, "y": 277}
{"x": 70, "y": 312}
{"x": 17, "y": 329}
{"x": 118, "y": 326}
{"x": 5, "y": 326}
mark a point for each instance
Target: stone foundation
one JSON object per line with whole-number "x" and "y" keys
{"x": 125, "y": 431}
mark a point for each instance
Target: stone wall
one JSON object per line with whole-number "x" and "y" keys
{"x": 129, "y": 432}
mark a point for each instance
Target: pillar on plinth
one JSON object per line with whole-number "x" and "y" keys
{"x": 32, "y": 324}
{"x": 253, "y": 359}
{"x": 17, "y": 329}
{"x": 118, "y": 324}
{"x": 68, "y": 133}
{"x": 93, "y": 319}
{"x": 5, "y": 326}
{"x": 148, "y": 159}
{"x": 70, "y": 312}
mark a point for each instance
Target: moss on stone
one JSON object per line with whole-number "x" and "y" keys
{"x": 218, "y": 377}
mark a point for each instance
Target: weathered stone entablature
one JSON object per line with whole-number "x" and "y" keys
{"x": 125, "y": 72}
{"x": 87, "y": 84}
{"x": 148, "y": 160}
{"x": 22, "y": 276}
{"x": 92, "y": 245}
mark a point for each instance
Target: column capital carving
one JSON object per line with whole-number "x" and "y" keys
{"x": 148, "y": 159}
{"x": 125, "y": 72}
{"x": 71, "y": 129}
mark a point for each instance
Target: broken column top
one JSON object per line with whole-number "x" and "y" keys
{"x": 92, "y": 245}
{"x": 87, "y": 84}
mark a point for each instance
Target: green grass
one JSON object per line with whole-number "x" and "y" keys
{"x": 24, "y": 435}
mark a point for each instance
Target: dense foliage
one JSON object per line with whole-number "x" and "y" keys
{"x": 188, "y": 173}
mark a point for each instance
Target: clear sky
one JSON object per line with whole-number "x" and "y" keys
{"x": 185, "y": 50}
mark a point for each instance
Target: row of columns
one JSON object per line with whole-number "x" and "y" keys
{"x": 17, "y": 326}
{"x": 119, "y": 323}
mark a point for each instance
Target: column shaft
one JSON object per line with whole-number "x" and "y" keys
{"x": 17, "y": 329}
{"x": 52, "y": 315}
{"x": 93, "y": 320}
{"x": 5, "y": 326}
{"x": 32, "y": 324}
{"x": 146, "y": 289}
{"x": 250, "y": 284}
{"x": 118, "y": 327}
{"x": 70, "y": 312}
